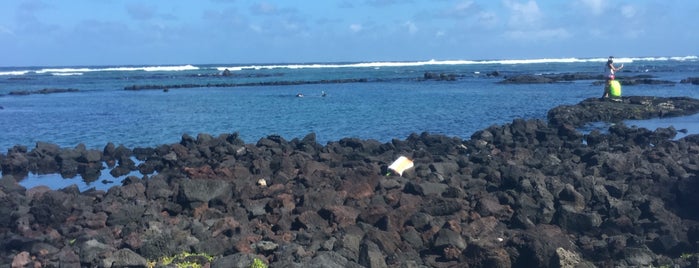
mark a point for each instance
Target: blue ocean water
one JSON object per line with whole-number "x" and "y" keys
{"x": 393, "y": 102}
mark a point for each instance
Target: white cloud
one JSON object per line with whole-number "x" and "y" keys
{"x": 462, "y": 9}
{"x": 628, "y": 11}
{"x": 412, "y": 28}
{"x": 595, "y": 6}
{"x": 487, "y": 19}
{"x": 5, "y": 30}
{"x": 537, "y": 35}
{"x": 465, "y": 5}
{"x": 255, "y": 28}
{"x": 140, "y": 11}
{"x": 523, "y": 15}
{"x": 264, "y": 8}
{"x": 635, "y": 33}
{"x": 355, "y": 27}
{"x": 291, "y": 26}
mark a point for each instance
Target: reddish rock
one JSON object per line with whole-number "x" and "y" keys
{"x": 341, "y": 216}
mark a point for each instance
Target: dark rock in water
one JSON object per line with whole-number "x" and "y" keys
{"x": 644, "y": 81}
{"x": 15, "y": 163}
{"x": 599, "y": 79}
{"x": 527, "y": 79}
{"x": 690, "y": 80}
{"x": 439, "y": 77}
{"x": 633, "y": 107}
{"x": 43, "y": 91}
{"x": 529, "y": 193}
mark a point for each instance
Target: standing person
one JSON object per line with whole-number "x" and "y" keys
{"x": 609, "y": 71}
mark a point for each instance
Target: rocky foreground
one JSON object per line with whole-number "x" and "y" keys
{"x": 526, "y": 194}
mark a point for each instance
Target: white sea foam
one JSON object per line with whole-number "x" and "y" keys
{"x": 117, "y": 69}
{"x": 14, "y": 73}
{"x": 449, "y": 62}
{"x": 374, "y": 65}
{"x": 66, "y": 74}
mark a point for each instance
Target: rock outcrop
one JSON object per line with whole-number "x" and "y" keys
{"x": 529, "y": 193}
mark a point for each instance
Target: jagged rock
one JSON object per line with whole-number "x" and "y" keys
{"x": 370, "y": 256}
{"x": 125, "y": 258}
{"x": 529, "y": 193}
{"x": 634, "y": 107}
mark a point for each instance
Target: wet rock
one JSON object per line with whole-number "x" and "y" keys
{"x": 42, "y": 91}
{"x": 15, "y": 163}
{"x": 439, "y": 77}
{"x": 527, "y": 79}
{"x": 633, "y": 107}
{"x": 690, "y": 80}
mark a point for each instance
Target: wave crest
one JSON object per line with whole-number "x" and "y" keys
{"x": 376, "y": 64}
{"x": 380, "y": 64}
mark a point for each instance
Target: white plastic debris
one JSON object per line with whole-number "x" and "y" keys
{"x": 400, "y": 165}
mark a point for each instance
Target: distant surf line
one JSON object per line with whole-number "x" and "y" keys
{"x": 379, "y": 64}
{"x": 373, "y": 64}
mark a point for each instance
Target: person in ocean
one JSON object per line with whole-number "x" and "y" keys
{"x": 609, "y": 71}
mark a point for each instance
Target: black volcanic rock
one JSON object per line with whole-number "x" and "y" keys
{"x": 42, "y": 91}
{"x": 690, "y": 80}
{"x": 633, "y": 107}
{"x": 528, "y": 79}
{"x": 529, "y": 193}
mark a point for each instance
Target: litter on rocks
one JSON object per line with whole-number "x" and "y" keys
{"x": 400, "y": 165}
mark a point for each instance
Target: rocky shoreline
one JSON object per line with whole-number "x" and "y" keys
{"x": 530, "y": 193}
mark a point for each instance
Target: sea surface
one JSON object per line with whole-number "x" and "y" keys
{"x": 366, "y": 100}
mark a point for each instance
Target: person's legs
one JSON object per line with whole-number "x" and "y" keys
{"x": 607, "y": 86}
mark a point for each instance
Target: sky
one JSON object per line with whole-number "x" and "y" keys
{"x": 160, "y": 32}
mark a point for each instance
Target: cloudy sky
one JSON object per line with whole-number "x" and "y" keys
{"x": 132, "y": 32}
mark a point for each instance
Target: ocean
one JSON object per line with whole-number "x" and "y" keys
{"x": 366, "y": 100}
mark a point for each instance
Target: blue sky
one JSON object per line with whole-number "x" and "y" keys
{"x": 114, "y": 32}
